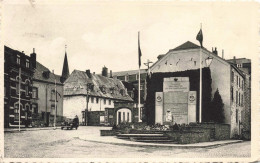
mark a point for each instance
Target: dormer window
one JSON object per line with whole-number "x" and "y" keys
{"x": 122, "y": 92}
{"x": 103, "y": 89}
{"x": 18, "y": 59}
{"x": 27, "y": 64}
{"x": 112, "y": 90}
{"x": 46, "y": 74}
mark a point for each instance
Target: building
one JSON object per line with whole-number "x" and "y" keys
{"x": 130, "y": 80}
{"x": 244, "y": 65}
{"x": 93, "y": 96}
{"x": 226, "y": 78}
{"x": 18, "y": 73}
{"x": 43, "y": 96}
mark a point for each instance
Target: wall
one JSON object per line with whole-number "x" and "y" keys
{"x": 74, "y": 105}
{"x": 41, "y": 100}
{"x": 100, "y": 106}
{"x": 236, "y": 104}
{"x": 185, "y": 60}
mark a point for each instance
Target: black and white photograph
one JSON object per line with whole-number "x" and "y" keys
{"x": 129, "y": 81}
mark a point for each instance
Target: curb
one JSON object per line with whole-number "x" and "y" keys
{"x": 30, "y": 129}
{"x": 165, "y": 145}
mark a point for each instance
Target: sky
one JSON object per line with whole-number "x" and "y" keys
{"x": 104, "y": 33}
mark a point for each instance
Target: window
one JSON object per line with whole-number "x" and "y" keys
{"x": 242, "y": 100}
{"x": 239, "y": 65}
{"x": 126, "y": 78}
{"x": 34, "y": 108}
{"x": 239, "y": 83}
{"x": 242, "y": 84}
{"x": 4, "y": 91}
{"x": 97, "y": 99}
{"x": 232, "y": 95}
{"x": 105, "y": 101}
{"x": 137, "y": 76}
{"x": 53, "y": 109}
{"x": 18, "y": 59}
{"x": 236, "y": 115}
{"x": 239, "y": 99}
{"x": 109, "y": 102}
{"x": 53, "y": 95}
{"x": 92, "y": 99}
{"x": 27, "y": 64}
{"x": 236, "y": 97}
{"x": 237, "y": 80}
{"x": 34, "y": 92}
{"x": 232, "y": 76}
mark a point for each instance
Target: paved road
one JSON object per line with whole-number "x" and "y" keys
{"x": 68, "y": 144}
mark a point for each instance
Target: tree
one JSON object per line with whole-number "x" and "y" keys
{"x": 217, "y": 108}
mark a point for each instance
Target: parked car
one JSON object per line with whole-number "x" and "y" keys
{"x": 69, "y": 123}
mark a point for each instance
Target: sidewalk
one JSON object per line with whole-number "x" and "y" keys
{"x": 29, "y": 129}
{"x": 116, "y": 141}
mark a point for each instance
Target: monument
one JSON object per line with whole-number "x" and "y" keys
{"x": 176, "y": 104}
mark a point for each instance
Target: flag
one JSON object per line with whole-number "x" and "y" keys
{"x": 200, "y": 37}
{"x": 139, "y": 51}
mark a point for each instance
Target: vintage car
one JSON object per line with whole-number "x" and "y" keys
{"x": 69, "y": 123}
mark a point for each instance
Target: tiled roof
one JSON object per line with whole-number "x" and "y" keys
{"x": 77, "y": 82}
{"x": 130, "y": 72}
{"x": 38, "y": 74}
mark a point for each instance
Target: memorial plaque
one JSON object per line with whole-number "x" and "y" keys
{"x": 170, "y": 86}
{"x": 175, "y": 97}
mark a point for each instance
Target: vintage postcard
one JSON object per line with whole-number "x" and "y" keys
{"x": 129, "y": 81}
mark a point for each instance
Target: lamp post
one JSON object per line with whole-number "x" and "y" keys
{"x": 89, "y": 85}
{"x": 208, "y": 61}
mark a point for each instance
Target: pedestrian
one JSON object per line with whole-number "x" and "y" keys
{"x": 76, "y": 122}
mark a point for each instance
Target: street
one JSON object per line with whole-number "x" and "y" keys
{"x": 69, "y": 144}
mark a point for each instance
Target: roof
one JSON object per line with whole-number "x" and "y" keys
{"x": 38, "y": 74}
{"x": 239, "y": 60}
{"x": 189, "y": 45}
{"x": 130, "y": 72}
{"x": 77, "y": 82}
{"x": 186, "y": 45}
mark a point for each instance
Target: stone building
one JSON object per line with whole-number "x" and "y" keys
{"x": 244, "y": 65}
{"x": 93, "y": 96}
{"x": 18, "y": 73}
{"x": 43, "y": 96}
{"x": 226, "y": 78}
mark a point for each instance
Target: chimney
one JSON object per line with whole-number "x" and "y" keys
{"x": 215, "y": 51}
{"x": 111, "y": 75}
{"x": 104, "y": 71}
{"x": 234, "y": 60}
{"x": 88, "y": 73}
{"x": 223, "y": 53}
{"x": 33, "y": 59}
{"x": 94, "y": 73}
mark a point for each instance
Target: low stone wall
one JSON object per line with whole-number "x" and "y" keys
{"x": 190, "y": 137}
{"x": 108, "y": 132}
{"x": 221, "y": 131}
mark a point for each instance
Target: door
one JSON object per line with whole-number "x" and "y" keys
{"x": 119, "y": 117}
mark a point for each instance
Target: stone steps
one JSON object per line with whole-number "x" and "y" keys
{"x": 149, "y": 138}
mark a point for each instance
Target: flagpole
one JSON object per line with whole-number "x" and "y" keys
{"x": 139, "y": 93}
{"x": 55, "y": 105}
{"x": 200, "y": 109}
{"x": 20, "y": 99}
